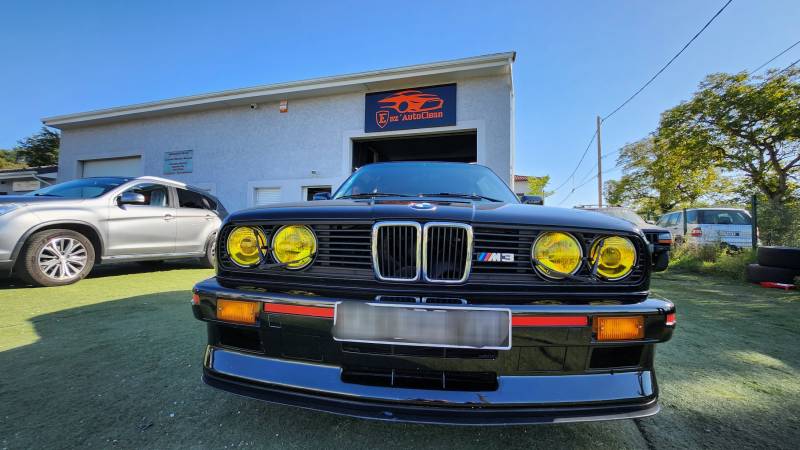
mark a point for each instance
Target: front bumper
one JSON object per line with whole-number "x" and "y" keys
{"x": 521, "y": 397}
{"x": 518, "y": 399}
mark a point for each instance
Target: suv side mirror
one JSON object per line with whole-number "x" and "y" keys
{"x": 321, "y": 196}
{"x": 131, "y": 198}
{"x": 532, "y": 200}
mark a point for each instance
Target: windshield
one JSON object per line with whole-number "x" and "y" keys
{"x": 417, "y": 179}
{"x": 624, "y": 214}
{"x": 83, "y": 188}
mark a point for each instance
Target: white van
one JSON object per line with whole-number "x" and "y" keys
{"x": 730, "y": 226}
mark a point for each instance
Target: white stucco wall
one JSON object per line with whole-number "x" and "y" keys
{"x": 237, "y": 149}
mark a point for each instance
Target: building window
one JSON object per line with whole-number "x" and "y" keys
{"x": 265, "y": 196}
{"x": 309, "y": 191}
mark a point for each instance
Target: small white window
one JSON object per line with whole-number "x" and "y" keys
{"x": 265, "y": 196}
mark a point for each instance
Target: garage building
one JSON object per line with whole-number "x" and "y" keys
{"x": 287, "y": 141}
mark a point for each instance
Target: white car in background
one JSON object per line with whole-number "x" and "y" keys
{"x": 729, "y": 226}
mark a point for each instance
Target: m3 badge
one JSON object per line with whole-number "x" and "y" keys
{"x": 495, "y": 257}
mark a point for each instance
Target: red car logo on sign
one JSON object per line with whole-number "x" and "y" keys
{"x": 411, "y": 101}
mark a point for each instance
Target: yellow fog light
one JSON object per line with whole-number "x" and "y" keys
{"x": 556, "y": 254}
{"x": 244, "y": 245}
{"x": 618, "y": 328}
{"x": 294, "y": 246}
{"x": 617, "y": 257}
{"x": 237, "y": 311}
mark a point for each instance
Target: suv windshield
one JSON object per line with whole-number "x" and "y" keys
{"x": 428, "y": 179}
{"x": 83, "y": 188}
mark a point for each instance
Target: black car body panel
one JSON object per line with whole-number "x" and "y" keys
{"x": 554, "y": 370}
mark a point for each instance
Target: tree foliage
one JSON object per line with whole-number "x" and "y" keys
{"x": 538, "y": 185}
{"x": 8, "y": 160}
{"x": 40, "y": 149}
{"x": 657, "y": 178}
{"x": 748, "y": 125}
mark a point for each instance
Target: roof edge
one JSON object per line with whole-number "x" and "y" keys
{"x": 285, "y": 88}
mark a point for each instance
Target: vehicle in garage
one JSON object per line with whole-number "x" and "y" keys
{"x": 427, "y": 292}
{"x": 55, "y": 235}
{"x": 659, "y": 238}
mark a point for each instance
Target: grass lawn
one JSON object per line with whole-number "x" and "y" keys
{"x": 114, "y": 361}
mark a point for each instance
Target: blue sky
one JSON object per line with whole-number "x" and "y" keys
{"x": 575, "y": 59}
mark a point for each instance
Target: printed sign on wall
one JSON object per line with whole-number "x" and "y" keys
{"x": 178, "y": 162}
{"x": 404, "y": 109}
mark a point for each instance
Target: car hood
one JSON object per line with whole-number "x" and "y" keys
{"x": 460, "y": 211}
{"x": 29, "y": 199}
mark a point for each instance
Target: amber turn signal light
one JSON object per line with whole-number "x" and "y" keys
{"x": 618, "y": 328}
{"x": 237, "y": 311}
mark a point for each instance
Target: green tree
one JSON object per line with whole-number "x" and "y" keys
{"x": 8, "y": 160}
{"x": 538, "y": 185}
{"x": 743, "y": 124}
{"x": 657, "y": 178}
{"x": 40, "y": 149}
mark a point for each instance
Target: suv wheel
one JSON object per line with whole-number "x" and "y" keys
{"x": 56, "y": 258}
{"x": 210, "y": 260}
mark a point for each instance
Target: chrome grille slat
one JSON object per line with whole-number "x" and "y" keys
{"x": 446, "y": 252}
{"x": 396, "y": 250}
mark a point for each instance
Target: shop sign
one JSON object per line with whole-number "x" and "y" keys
{"x": 404, "y": 109}
{"x": 178, "y": 162}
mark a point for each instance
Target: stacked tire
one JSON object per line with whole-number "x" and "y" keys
{"x": 776, "y": 264}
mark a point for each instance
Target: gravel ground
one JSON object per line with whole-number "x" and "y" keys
{"x": 114, "y": 361}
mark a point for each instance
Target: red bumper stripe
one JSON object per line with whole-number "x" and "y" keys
{"x": 549, "y": 321}
{"x": 310, "y": 311}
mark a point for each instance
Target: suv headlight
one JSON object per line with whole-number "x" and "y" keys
{"x": 617, "y": 257}
{"x": 295, "y": 246}
{"x": 8, "y": 207}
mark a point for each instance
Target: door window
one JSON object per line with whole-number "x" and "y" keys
{"x": 311, "y": 190}
{"x": 191, "y": 199}
{"x": 154, "y": 194}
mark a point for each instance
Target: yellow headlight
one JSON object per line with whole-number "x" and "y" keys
{"x": 243, "y": 245}
{"x": 617, "y": 257}
{"x": 295, "y": 246}
{"x": 556, "y": 254}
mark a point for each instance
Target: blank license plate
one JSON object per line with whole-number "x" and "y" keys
{"x": 728, "y": 233}
{"x": 423, "y": 325}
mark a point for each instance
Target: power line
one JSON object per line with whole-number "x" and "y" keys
{"x": 773, "y": 58}
{"x": 669, "y": 62}
{"x": 579, "y": 162}
{"x": 583, "y": 156}
{"x": 584, "y": 183}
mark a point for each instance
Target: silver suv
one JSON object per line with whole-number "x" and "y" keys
{"x": 54, "y": 236}
{"x": 729, "y": 226}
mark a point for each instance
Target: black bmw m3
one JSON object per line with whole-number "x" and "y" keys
{"x": 427, "y": 292}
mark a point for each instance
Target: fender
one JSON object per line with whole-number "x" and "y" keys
{"x": 34, "y": 229}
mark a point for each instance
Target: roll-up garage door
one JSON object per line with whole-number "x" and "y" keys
{"x": 113, "y": 167}
{"x": 265, "y": 196}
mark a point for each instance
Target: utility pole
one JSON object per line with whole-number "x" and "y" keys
{"x": 599, "y": 166}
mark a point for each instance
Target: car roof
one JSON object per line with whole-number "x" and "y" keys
{"x": 709, "y": 209}
{"x": 173, "y": 183}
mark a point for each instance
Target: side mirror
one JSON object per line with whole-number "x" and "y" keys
{"x": 131, "y": 198}
{"x": 532, "y": 200}
{"x": 321, "y": 196}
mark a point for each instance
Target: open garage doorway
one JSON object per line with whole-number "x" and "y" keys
{"x": 454, "y": 147}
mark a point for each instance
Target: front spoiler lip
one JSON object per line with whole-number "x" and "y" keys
{"x": 319, "y": 387}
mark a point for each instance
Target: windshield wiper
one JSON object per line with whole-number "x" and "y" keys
{"x": 453, "y": 194}
{"x": 374, "y": 194}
